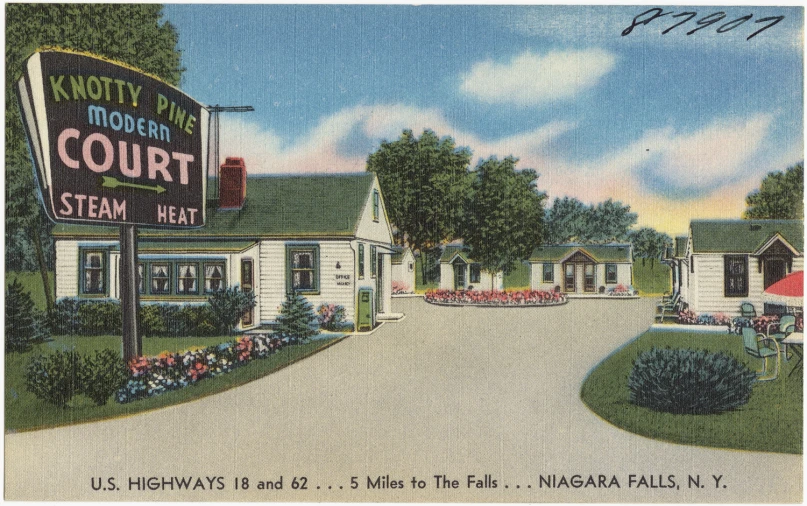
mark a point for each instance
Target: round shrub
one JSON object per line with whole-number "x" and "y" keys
{"x": 55, "y": 378}
{"x": 684, "y": 381}
{"x": 102, "y": 375}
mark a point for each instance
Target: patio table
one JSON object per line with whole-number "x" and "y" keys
{"x": 796, "y": 343}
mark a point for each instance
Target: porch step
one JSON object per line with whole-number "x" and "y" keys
{"x": 389, "y": 317}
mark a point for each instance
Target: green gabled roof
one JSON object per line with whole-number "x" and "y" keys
{"x": 743, "y": 236}
{"x": 450, "y": 251}
{"x": 276, "y": 206}
{"x": 600, "y": 252}
{"x": 193, "y": 246}
{"x": 680, "y": 246}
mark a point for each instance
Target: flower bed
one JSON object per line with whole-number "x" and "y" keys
{"x": 760, "y": 323}
{"x": 150, "y": 376}
{"x": 736, "y": 324}
{"x": 399, "y": 288}
{"x": 622, "y": 291}
{"x": 495, "y": 298}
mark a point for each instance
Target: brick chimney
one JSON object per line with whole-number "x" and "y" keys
{"x": 232, "y": 183}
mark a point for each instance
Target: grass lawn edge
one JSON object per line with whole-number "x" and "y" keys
{"x": 590, "y": 381}
{"x": 201, "y": 395}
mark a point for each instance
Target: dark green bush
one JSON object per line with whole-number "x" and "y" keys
{"x": 64, "y": 319}
{"x": 151, "y": 322}
{"x": 100, "y": 317}
{"x": 102, "y": 375}
{"x": 297, "y": 320}
{"x": 688, "y": 381}
{"x": 55, "y": 378}
{"x": 25, "y": 325}
{"x": 228, "y": 306}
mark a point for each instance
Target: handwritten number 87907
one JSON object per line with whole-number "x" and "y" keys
{"x": 706, "y": 21}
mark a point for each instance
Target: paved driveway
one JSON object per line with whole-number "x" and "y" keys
{"x": 446, "y": 391}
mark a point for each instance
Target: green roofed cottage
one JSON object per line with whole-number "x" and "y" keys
{"x": 458, "y": 271}
{"x": 304, "y": 233}
{"x": 581, "y": 269}
{"x": 721, "y": 264}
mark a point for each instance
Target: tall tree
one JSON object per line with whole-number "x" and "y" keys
{"x": 649, "y": 244}
{"x": 569, "y": 220}
{"x": 425, "y": 183}
{"x": 780, "y": 197}
{"x": 130, "y": 33}
{"x": 609, "y": 221}
{"x": 504, "y": 216}
{"x": 566, "y": 221}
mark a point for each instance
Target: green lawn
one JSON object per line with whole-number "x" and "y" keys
{"x": 771, "y": 421}
{"x": 26, "y": 412}
{"x": 32, "y": 282}
{"x": 519, "y": 279}
{"x": 651, "y": 279}
{"x": 420, "y": 286}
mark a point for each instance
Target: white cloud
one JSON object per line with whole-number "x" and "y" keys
{"x": 323, "y": 148}
{"x": 714, "y": 155}
{"x": 701, "y": 174}
{"x": 532, "y": 79}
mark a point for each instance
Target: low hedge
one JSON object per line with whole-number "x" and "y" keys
{"x": 73, "y": 316}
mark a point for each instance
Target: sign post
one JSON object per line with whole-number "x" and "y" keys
{"x": 112, "y": 145}
{"x": 129, "y": 293}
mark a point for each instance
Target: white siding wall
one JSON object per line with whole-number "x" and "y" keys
{"x": 446, "y": 276}
{"x": 707, "y": 283}
{"x": 371, "y": 230}
{"x": 537, "y": 277}
{"x": 272, "y": 287}
{"x": 485, "y": 279}
{"x": 66, "y": 274}
{"x": 401, "y": 272}
{"x": 623, "y": 276}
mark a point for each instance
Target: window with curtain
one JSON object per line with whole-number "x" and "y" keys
{"x": 160, "y": 279}
{"x": 214, "y": 277}
{"x": 94, "y": 272}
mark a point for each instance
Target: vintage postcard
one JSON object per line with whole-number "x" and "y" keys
{"x": 398, "y": 253}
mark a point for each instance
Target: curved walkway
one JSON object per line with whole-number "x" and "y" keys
{"x": 454, "y": 391}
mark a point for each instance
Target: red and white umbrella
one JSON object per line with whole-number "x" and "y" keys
{"x": 788, "y": 290}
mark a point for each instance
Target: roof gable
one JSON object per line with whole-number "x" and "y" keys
{"x": 276, "y": 206}
{"x": 743, "y": 236}
{"x": 601, "y": 253}
{"x": 450, "y": 253}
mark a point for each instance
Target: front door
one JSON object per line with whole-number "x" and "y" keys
{"x": 379, "y": 284}
{"x": 247, "y": 287}
{"x": 459, "y": 276}
{"x": 588, "y": 274}
{"x": 775, "y": 269}
{"x": 569, "y": 282}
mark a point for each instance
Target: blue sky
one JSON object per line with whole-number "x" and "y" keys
{"x": 678, "y": 126}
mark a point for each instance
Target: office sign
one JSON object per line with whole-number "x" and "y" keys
{"x": 112, "y": 145}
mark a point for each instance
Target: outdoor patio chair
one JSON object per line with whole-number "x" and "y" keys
{"x": 783, "y": 328}
{"x": 747, "y": 310}
{"x": 669, "y": 308}
{"x": 759, "y": 346}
